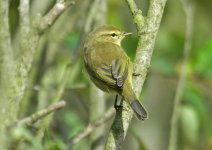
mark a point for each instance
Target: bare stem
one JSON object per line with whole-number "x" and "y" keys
{"x": 53, "y": 14}
{"x": 41, "y": 114}
{"x": 189, "y": 12}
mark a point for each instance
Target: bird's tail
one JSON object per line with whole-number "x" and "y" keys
{"x": 138, "y": 109}
{"x": 136, "y": 106}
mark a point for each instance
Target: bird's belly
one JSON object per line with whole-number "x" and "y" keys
{"x": 101, "y": 85}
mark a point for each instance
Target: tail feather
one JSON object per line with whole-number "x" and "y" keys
{"x": 139, "y": 110}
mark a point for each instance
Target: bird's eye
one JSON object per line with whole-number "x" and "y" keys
{"x": 113, "y": 35}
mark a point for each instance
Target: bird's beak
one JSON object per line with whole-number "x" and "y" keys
{"x": 126, "y": 33}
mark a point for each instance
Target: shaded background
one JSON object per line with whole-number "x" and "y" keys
{"x": 62, "y": 45}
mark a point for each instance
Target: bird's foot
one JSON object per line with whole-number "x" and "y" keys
{"x": 136, "y": 74}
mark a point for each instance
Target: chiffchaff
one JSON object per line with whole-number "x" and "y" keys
{"x": 109, "y": 67}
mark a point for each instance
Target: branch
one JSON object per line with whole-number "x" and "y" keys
{"x": 138, "y": 18}
{"x": 7, "y": 113}
{"x": 41, "y": 114}
{"x": 24, "y": 14}
{"x": 7, "y": 66}
{"x": 93, "y": 126}
{"x": 189, "y": 13}
{"x": 118, "y": 130}
{"x": 142, "y": 63}
{"x": 146, "y": 43}
{"x": 53, "y": 14}
{"x": 29, "y": 37}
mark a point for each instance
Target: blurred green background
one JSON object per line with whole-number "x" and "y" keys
{"x": 62, "y": 45}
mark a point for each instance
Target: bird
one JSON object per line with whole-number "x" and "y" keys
{"x": 109, "y": 67}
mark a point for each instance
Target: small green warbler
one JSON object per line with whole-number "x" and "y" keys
{"x": 109, "y": 67}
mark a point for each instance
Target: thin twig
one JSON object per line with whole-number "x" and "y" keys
{"x": 189, "y": 12}
{"x": 41, "y": 114}
{"x": 53, "y": 14}
{"x": 92, "y": 126}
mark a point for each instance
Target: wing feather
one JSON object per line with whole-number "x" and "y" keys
{"x": 112, "y": 70}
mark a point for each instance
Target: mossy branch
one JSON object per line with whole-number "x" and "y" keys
{"x": 14, "y": 68}
{"x": 138, "y": 18}
{"x": 7, "y": 66}
{"x": 147, "y": 28}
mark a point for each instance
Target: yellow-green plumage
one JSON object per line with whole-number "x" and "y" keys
{"x": 108, "y": 65}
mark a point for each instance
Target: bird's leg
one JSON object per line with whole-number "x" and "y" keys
{"x": 116, "y": 99}
{"x": 116, "y": 106}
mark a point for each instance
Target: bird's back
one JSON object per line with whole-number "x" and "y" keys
{"x": 97, "y": 54}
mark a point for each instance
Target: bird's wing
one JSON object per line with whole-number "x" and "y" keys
{"x": 111, "y": 70}
{"x": 119, "y": 71}
{"x": 113, "y": 75}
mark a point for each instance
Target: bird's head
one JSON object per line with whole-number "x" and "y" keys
{"x": 107, "y": 33}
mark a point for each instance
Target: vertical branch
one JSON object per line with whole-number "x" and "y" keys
{"x": 189, "y": 13}
{"x": 7, "y": 86}
{"x": 14, "y": 69}
{"x": 24, "y": 24}
{"x": 25, "y": 37}
{"x": 146, "y": 42}
{"x": 29, "y": 39}
{"x": 24, "y": 13}
{"x": 138, "y": 18}
{"x": 147, "y": 28}
{"x": 97, "y": 97}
